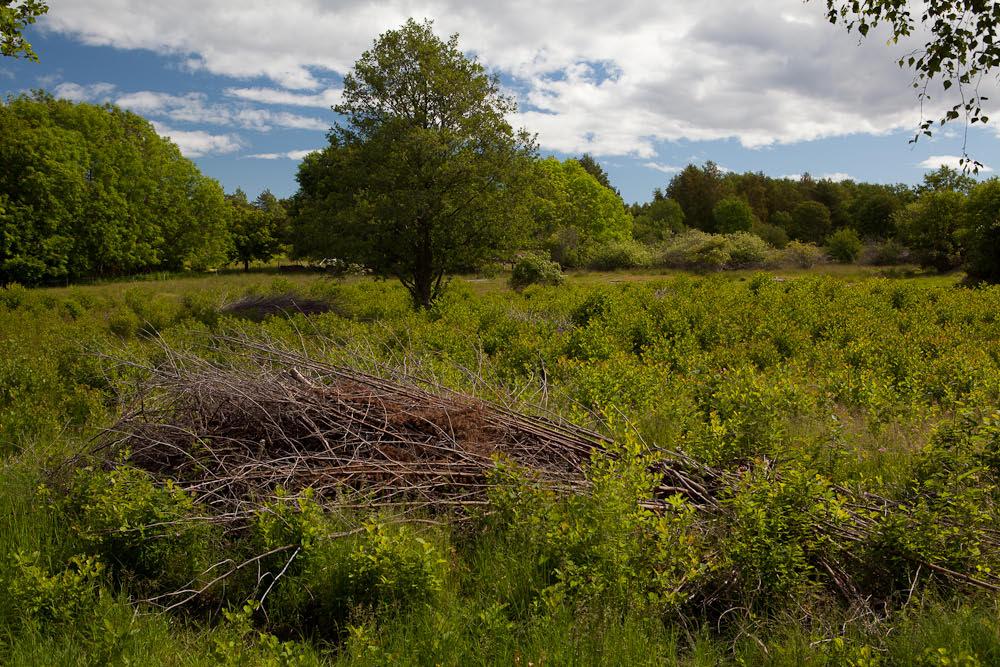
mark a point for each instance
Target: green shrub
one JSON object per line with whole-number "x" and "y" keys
{"x": 618, "y": 255}
{"x": 124, "y": 323}
{"x": 746, "y": 250}
{"x": 844, "y": 245}
{"x": 202, "y": 307}
{"x": 948, "y": 513}
{"x": 144, "y": 531}
{"x": 772, "y": 535}
{"x": 535, "y": 270}
{"x": 42, "y": 598}
{"x": 802, "y": 255}
{"x": 237, "y": 642}
{"x": 603, "y": 549}
{"x": 696, "y": 250}
{"x": 13, "y": 296}
{"x": 335, "y": 573}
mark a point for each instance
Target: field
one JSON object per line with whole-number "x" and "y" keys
{"x": 848, "y": 420}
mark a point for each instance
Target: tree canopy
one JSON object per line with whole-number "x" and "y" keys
{"x": 258, "y": 228}
{"x": 423, "y": 178}
{"x": 94, "y": 191}
{"x": 594, "y": 168}
{"x": 732, "y": 214}
{"x": 15, "y": 16}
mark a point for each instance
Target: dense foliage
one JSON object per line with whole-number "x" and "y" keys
{"x": 94, "y": 191}
{"x": 15, "y": 16}
{"x": 804, "y": 387}
{"x": 424, "y": 177}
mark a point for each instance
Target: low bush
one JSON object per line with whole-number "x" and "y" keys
{"x": 603, "y": 550}
{"x": 332, "y": 573}
{"x": 41, "y": 598}
{"x": 844, "y": 245}
{"x": 747, "y": 250}
{"x": 696, "y": 250}
{"x": 802, "y": 255}
{"x": 140, "y": 528}
{"x": 699, "y": 251}
{"x": 618, "y": 255}
{"x": 535, "y": 270}
{"x": 886, "y": 253}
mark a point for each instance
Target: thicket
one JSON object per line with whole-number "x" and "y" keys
{"x": 94, "y": 191}
{"x": 804, "y": 392}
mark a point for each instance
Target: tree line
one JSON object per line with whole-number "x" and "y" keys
{"x": 424, "y": 177}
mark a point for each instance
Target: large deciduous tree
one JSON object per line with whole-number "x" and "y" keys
{"x": 572, "y": 212}
{"x": 15, "y": 16}
{"x": 93, "y": 191}
{"x": 423, "y": 177}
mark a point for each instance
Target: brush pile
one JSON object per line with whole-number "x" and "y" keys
{"x": 258, "y": 307}
{"x": 233, "y": 434}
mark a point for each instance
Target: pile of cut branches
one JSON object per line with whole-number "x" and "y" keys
{"x": 235, "y": 434}
{"x": 258, "y": 307}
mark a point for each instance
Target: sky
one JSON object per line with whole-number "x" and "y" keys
{"x": 245, "y": 88}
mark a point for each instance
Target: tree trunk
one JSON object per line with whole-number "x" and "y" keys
{"x": 423, "y": 270}
{"x": 246, "y": 265}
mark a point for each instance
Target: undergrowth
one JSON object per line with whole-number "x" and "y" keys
{"x": 802, "y": 388}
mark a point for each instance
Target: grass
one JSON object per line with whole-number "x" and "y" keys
{"x": 840, "y": 371}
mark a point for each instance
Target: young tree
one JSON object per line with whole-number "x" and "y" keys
{"x": 732, "y": 214}
{"x": 844, "y": 245}
{"x": 423, "y": 178}
{"x": 257, "y": 228}
{"x": 658, "y": 220}
{"x": 931, "y": 228}
{"x": 15, "y": 16}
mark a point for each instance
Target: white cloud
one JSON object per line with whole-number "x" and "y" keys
{"x": 288, "y": 155}
{"x": 6, "y": 73}
{"x": 194, "y": 108}
{"x": 762, "y": 72}
{"x": 323, "y": 100}
{"x": 665, "y": 168}
{"x": 937, "y": 161}
{"x": 189, "y": 108}
{"x": 93, "y": 92}
{"x": 199, "y": 143}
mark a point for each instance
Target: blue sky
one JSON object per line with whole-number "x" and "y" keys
{"x": 245, "y": 89}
